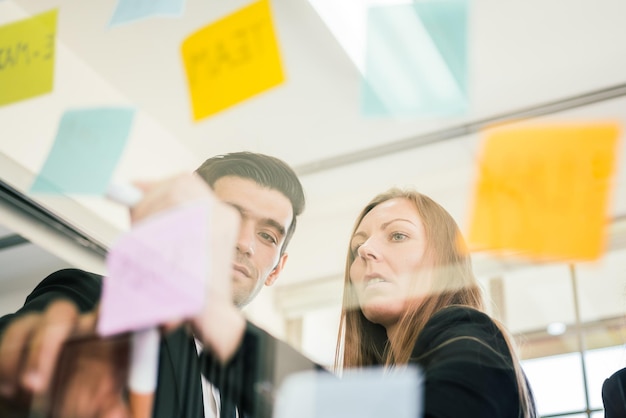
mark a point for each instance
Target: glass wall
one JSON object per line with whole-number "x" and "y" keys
{"x": 569, "y": 322}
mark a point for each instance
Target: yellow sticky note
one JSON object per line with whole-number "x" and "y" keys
{"x": 232, "y": 59}
{"x": 543, "y": 190}
{"x": 27, "y": 57}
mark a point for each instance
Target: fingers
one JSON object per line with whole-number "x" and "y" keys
{"x": 167, "y": 194}
{"x": 118, "y": 410}
{"x": 55, "y": 327}
{"x": 143, "y": 185}
{"x": 90, "y": 379}
{"x": 171, "y": 326}
{"x": 220, "y": 325}
{"x": 86, "y": 324}
{"x": 31, "y": 344}
{"x": 14, "y": 344}
{"x": 81, "y": 372}
{"x": 141, "y": 404}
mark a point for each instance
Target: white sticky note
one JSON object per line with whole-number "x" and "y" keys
{"x": 365, "y": 393}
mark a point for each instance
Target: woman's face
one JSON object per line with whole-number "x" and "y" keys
{"x": 388, "y": 246}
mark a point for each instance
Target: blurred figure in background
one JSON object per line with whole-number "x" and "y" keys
{"x": 614, "y": 395}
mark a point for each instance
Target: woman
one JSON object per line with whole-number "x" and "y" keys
{"x": 410, "y": 297}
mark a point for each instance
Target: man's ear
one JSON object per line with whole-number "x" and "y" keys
{"x": 277, "y": 270}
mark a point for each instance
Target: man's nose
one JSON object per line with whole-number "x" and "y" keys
{"x": 246, "y": 238}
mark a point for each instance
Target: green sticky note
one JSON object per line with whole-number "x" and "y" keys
{"x": 27, "y": 57}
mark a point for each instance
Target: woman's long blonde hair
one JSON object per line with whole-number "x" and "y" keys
{"x": 364, "y": 343}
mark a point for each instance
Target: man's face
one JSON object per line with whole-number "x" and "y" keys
{"x": 266, "y": 215}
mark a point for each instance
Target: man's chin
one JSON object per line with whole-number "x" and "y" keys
{"x": 240, "y": 297}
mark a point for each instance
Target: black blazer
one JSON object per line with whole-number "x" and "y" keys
{"x": 614, "y": 395}
{"x": 248, "y": 382}
{"x": 467, "y": 365}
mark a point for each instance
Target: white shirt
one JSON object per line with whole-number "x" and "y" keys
{"x": 210, "y": 394}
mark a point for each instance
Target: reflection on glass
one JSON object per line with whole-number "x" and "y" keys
{"x": 557, "y": 383}
{"x": 601, "y": 364}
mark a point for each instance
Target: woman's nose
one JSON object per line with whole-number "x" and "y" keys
{"x": 367, "y": 251}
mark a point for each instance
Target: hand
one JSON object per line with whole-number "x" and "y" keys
{"x": 168, "y": 194}
{"x": 90, "y": 380}
{"x": 31, "y": 345}
{"x": 220, "y": 326}
{"x": 47, "y": 359}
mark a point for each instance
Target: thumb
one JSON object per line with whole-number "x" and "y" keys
{"x": 86, "y": 324}
{"x": 143, "y": 185}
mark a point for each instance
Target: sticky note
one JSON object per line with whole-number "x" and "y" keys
{"x": 27, "y": 57}
{"x": 544, "y": 190}
{"x": 232, "y": 60}
{"x": 370, "y": 392}
{"x": 86, "y": 150}
{"x": 157, "y": 271}
{"x": 416, "y": 59}
{"x": 128, "y": 11}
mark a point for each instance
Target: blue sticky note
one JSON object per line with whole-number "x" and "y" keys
{"x": 87, "y": 148}
{"x": 371, "y": 392}
{"x": 132, "y": 10}
{"x": 416, "y": 59}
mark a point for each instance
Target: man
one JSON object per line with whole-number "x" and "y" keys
{"x": 268, "y": 197}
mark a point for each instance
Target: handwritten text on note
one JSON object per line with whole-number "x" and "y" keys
{"x": 232, "y": 59}
{"x": 27, "y": 57}
{"x": 543, "y": 190}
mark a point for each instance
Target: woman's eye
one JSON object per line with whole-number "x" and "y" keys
{"x": 355, "y": 249}
{"x": 398, "y": 236}
{"x": 267, "y": 237}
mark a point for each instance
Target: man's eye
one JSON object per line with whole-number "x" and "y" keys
{"x": 267, "y": 237}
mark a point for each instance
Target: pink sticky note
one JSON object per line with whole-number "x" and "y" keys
{"x": 156, "y": 272}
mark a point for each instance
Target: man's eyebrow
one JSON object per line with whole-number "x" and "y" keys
{"x": 273, "y": 223}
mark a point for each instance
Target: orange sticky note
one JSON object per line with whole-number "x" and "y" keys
{"x": 27, "y": 57}
{"x": 232, "y": 59}
{"x": 543, "y": 190}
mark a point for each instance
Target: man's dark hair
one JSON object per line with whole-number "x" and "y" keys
{"x": 266, "y": 171}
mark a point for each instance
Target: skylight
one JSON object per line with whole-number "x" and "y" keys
{"x": 347, "y": 20}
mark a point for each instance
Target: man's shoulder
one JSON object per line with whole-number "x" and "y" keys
{"x": 80, "y": 286}
{"x": 73, "y": 278}
{"x": 74, "y": 274}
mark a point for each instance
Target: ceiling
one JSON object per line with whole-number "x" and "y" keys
{"x": 562, "y": 59}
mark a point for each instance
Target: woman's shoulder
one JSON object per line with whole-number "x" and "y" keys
{"x": 459, "y": 317}
{"x": 468, "y": 368}
{"x": 462, "y": 324}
